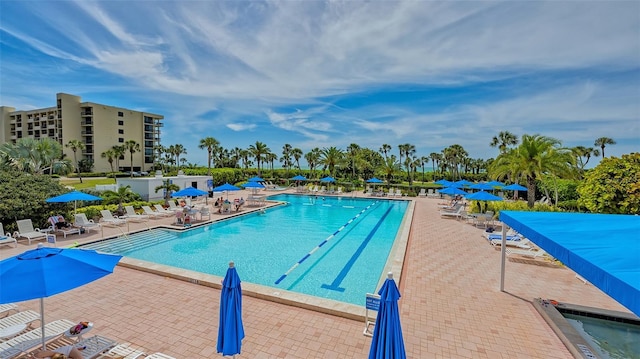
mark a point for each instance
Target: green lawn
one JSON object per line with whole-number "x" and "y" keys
{"x": 86, "y": 182}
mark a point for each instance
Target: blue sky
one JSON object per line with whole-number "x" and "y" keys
{"x": 320, "y": 74}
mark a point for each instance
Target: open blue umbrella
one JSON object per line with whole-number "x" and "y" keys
{"x": 227, "y": 187}
{"x": 299, "y": 178}
{"x": 74, "y": 196}
{"x": 443, "y": 182}
{"x": 452, "y": 191}
{"x": 515, "y": 187}
{"x": 483, "y": 196}
{"x": 230, "y": 328}
{"x": 49, "y": 271}
{"x": 328, "y": 179}
{"x": 375, "y": 180}
{"x": 255, "y": 179}
{"x": 387, "y": 341}
{"x": 463, "y": 182}
{"x": 189, "y": 192}
{"x": 253, "y": 185}
{"x": 482, "y": 186}
{"x": 495, "y": 183}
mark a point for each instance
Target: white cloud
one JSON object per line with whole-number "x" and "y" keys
{"x": 241, "y": 126}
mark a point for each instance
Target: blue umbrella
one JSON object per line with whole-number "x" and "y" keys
{"x": 482, "y": 186}
{"x": 328, "y": 179}
{"x": 452, "y": 191}
{"x": 74, "y": 196}
{"x": 483, "y": 196}
{"x": 375, "y": 180}
{"x": 515, "y": 187}
{"x": 463, "y": 183}
{"x": 227, "y": 187}
{"x": 49, "y": 271}
{"x": 443, "y": 182}
{"x": 255, "y": 179}
{"x": 189, "y": 192}
{"x": 299, "y": 178}
{"x": 387, "y": 342}
{"x": 253, "y": 185}
{"x": 495, "y": 183}
{"x": 230, "y": 328}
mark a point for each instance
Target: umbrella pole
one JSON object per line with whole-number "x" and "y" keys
{"x": 44, "y": 346}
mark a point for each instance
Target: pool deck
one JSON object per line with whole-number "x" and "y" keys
{"x": 451, "y": 306}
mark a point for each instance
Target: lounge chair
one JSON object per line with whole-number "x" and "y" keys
{"x": 64, "y": 230}
{"x": 82, "y": 222}
{"x": 133, "y": 216}
{"x": 159, "y": 356}
{"x": 26, "y": 230}
{"x": 532, "y": 252}
{"x": 172, "y": 205}
{"x": 513, "y": 241}
{"x": 25, "y": 341}
{"x": 150, "y": 213}
{"x": 124, "y": 351}
{"x": 21, "y": 318}
{"x": 422, "y": 193}
{"x": 108, "y": 218}
{"x": 456, "y": 214}
{"x": 161, "y": 210}
{"x": 6, "y": 238}
{"x": 339, "y": 191}
{"x": 5, "y": 309}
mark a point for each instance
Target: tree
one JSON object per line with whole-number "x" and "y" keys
{"x": 286, "y": 157}
{"x": 384, "y": 149}
{"x": 313, "y": 158}
{"x": 423, "y": 161}
{"x": 259, "y": 150}
{"x": 123, "y": 194}
{"x": 119, "y": 154}
{"x": 76, "y": 145}
{"x": 435, "y": 159}
{"x": 210, "y": 144}
{"x": 352, "y": 154}
{"x": 613, "y": 186}
{"x": 133, "y": 147}
{"x": 504, "y": 140}
{"x": 602, "y": 142}
{"x": 177, "y": 150}
{"x": 586, "y": 152}
{"x": 34, "y": 156}
{"x": 330, "y": 157}
{"x": 409, "y": 151}
{"x": 297, "y": 155}
{"x": 168, "y": 188}
{"x": 110, "y": 156}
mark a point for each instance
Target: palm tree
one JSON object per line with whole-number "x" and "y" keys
{"x": 121, "y": 195}
{"x": 297, "y": 155}
{"x": 168, "y": 187}
{"x": 132, "y": 146}
{"x": 330, "y": 157}
{"x": 352, "y": 154}
{"x": 76, "y": 145}
{"x": 423, "y": 160}
{"x": 409, "y": 151}
{"x": 286, "y": 157}
{"x": 271, "y": 158}
{"x": 384, "y": 149}
{"x": 210, "y": 144}
{"x": 259, "y": 150}
{"x": 119, "y": 151}
{"x": 110, "y": 156}
{"x": 535, "y": 157}
{"x": 435, "y": 157}
{"x": 312, "y": 157}
{"x": 586, "y": 152}
{"x": 503, "y": 140}
{"x": 177, "y": 150}
{"x": 602, "y": 142}
{"x": 389, "y": 167}
{"x": 34, "y": 156}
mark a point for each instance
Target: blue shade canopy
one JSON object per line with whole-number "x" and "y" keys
{"x": 255, "y": 179}
{"x": 189, "y": 192}
{"x": 226, "y": 187}
{"x": 375, "y": 180}
{"x": 73, "y": 196}
{"x": 387, "y": 341}
{"x": 230, "y": 328}
{"x": 463, "y": 183}
{"x": 483, "y": 196}
{"x": 495, "y": 183}
{"x": 299, "y": 178}
{"x": 443, "y": 182}
{"x": 482, "y": 186}
{"x": 602, "y": 248}
{"x": 253, "y": 185}
{"x": 328, "y": 179}
{"x": 452, "y": 191}
{"x": 515, "y": 187}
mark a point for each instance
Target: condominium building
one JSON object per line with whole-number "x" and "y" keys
{"x": 99, "y": 127}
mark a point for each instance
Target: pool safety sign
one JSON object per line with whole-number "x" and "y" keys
{"x": 372, "y": 303}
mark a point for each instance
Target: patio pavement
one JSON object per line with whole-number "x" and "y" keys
{"x": 451, "y": 306}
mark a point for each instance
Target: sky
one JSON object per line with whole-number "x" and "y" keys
{"x": 331, "y": 73}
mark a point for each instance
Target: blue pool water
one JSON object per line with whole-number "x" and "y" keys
{"x": 611, "y": 339}
{"x": 346, "y": 264}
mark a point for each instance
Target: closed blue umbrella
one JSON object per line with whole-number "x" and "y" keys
{"x": 387, "y": 341}
{"x": 328, "y": 179}
{"x": 74, "y": 196}
{"x": 230, "y": 328}
{"x": 189, "y": 192}
{"x": 482, "y": 186}
{"x": 49, "y": 271}
{"x": 255, "y": 179}
{"x": 452, "y": 191}
{"x": 299, "y": 178}
{"x": 515, "y": 187}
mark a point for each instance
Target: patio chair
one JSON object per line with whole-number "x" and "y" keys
{"x": 5, "y": 309}
{"x": 124, "y": 351}
{"x": 26, "y": 230}
{"x": 422, "y": 193}
{"x": 204, "y": 211}
{"x": 159, "y": 356}
{"x": 7, "y": 238}
{"x": 162, "y": 211}
{"x": 25, "y": 341}
{"x": 133, "y": 216}
{"x": 64, "y": 230}
{"x": 172, "y": 205}
{"x": 455, "y": 214}
{"x": 147, "y": 211}
{"x": 532, "y": 252}
{"x": 25, "y": 317}
{"x": 108, "y": 218}
{"x": 82, "y": 222}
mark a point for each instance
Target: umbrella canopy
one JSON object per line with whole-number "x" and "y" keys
{"x": 253, "y": 185}
{"x": 227, "y": 187}
{"x": 515, "y": 187}
{"x": 483, "y": 196}
{"x": 255, "y": 179}
{"x": 443, "y": 182}
{"x": 463, "y": 183}
{"x": 482, "y": 186}
{"x": 495, "y": 183}
{"x": 375, "y": 180}
{"x": 328, "y": 179}
{"x": 453, "y": 191}
{"x": 230, "y": 328}
{"x": 49, "y": 271}
{"x": 74, "y": 196}
{"x": 299, "y": 178}
{"x": 189, "y": 192}
{"x": 387, "y": 342}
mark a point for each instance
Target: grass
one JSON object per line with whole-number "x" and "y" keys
{"x": 86, "y": 182}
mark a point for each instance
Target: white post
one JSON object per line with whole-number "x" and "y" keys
{"x": 503, "y": 254}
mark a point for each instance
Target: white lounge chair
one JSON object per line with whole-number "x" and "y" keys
{"x": 82, "y": 222}
{"x": 125, "y": 351}
{"x": 6, "y": 238}
{"x": 23, "y": 342}
{"x": 133, "y": 216}
{"x": 159, "y": 356}
{"x": 160, "y": 210}
{"x": 26, "y": 230}
{"x": 108, "y": 218}
{"x": 6, "y": 308}
{"x": 21, "y": 318}
{"x": 532, "y": 252}
{"x": 64, "y": 230}
{"x": 456, "y": 214}
{"x": 172, "y": 205}
{"x": 422, "y": 193}
{"x": 204, "y": 211}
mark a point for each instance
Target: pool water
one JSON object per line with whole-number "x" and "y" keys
{"x": 611, "y": 339}
{"x": 331, "y": 247}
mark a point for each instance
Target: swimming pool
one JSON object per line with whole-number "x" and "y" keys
{"x": 331, "y": 247}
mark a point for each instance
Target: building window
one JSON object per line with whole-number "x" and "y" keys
{"x": 120, "y": 123}
{"x": 120, "y": 114}
{"x": 121, "y": 131}
{"x": 121, "y": 140}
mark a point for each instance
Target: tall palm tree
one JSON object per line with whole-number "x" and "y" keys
{"x": 504, "y": 140}
{"x": 132, "y": 146}
{"x": 286, "y": 157}
{"x": 271, "y": 158}
{"x": 236, "y": 155}
{"x": 177, "y": 151}
{"x": 330, "y": 157}
{"x": 389, "y": 167}
{"x": 313, "y": 158}
{"x": 352, "y": 154}
{"x": 535, "y": 157}
{"x": 586, "y": 152}
{"x": 259, "y": 150}
{"x": 384, "y": 149}
{"x": 119, "y": 151}
{"x": 409, "y": 151}
{"x": 110, "y": 156}
{"x": 602, "y": 142}
{"x": 435, "y": 157}
{"x": 76, "y": 145}
{"x": 423, "y": 161}
{"x": 210, "y": 144}
{"x": 297, "y": 155}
